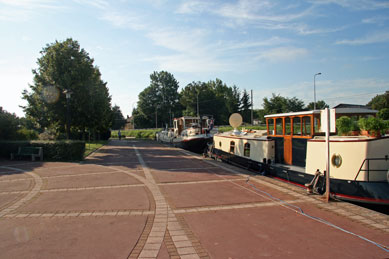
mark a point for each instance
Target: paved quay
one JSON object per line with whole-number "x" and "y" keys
{"x": 141, "y": 199}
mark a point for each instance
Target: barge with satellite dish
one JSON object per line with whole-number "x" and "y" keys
{"x": 191, "y": 133}
{"x": 293, "y": 149}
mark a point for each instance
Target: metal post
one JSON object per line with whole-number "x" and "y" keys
{"x": 327, "y": 197}
{"x": 68, "y": 94}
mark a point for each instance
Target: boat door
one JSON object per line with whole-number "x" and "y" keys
{"x": 291, "y": 132}
{"x": 287, "y": 141}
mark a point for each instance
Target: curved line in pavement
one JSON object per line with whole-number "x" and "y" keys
{"x": 31, "y": 194}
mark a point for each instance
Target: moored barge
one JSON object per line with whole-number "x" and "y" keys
{"x": 293, "y": 149}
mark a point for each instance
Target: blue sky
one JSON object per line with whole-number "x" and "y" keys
{"x": 269, "y": 46}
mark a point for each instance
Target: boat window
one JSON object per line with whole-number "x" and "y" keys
{"x": 247, "y": 149}
{"x": 287, "y": 126}
{"x": 270, "y": 123}
{"x": 317, "y": 124}
{"x": 306, "y": 125}
{"x": 232, "y": 147}
{"x": 279, "y": 126}
{"x": 220, "y": 144}
{"x": 297, "y": 126}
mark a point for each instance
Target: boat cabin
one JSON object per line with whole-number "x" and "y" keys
{"x": 183, "y": 123}
{"x": 291, "y": 132}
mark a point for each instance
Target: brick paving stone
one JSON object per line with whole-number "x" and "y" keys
{"x": 190, "y": 256}
{"x": 185, "y": 250}
{"x": 183, "y": 244}
{"x": 180, "y": 238}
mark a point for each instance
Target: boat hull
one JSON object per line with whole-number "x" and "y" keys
{"x": 197, "y": 144}
{"x": 356, "y": 191}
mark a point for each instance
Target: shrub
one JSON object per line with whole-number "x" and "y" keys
{"x": 138, "y": 133}
{"x": 52, "y": 150}
{"x": 344, "y": 125}
{"x": 363, "y": 123}
{"x": 373, "y": 124}
{"x": 26, "y": 134}
{"x": 383, "y": 114}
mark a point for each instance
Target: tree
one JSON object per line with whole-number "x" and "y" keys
{"x": 319, "y": 105}
{"x": 279, "y": 104}
{"x": 234, "y": 101}
{"x": 65, "y": 66}
{"x": 380, "y": 101}
{"x": 246, "y": 106}
{"x": 384, "y": 114}
{"x": 260, "y": 115}
{"x": 118, "y": 120}
{"x": 8, "y": 125}
{"x": 159, "y": 100}
{"x": 215, "y": 98}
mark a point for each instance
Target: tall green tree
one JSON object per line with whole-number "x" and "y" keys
{"x": 160, "y": 100}
{"x": 380, "y": 101}
{"x": 246, "y": 107}
{"x": 280, "y": 104}
{"x": 8, "y": 125}
{"x": 319, "y": 105}
{"x": 118, "y": 120}
{"x": 64, "y": 66}
{"x": 214, "y": 98}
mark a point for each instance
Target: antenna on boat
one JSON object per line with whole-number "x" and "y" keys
{"x": 235, "y": 121}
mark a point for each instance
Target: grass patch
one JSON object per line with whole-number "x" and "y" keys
{"x": 93, "y": 146}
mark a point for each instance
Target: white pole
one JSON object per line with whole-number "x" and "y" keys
{"x": 252, "y": 115}
{"x": 327, "y": 154}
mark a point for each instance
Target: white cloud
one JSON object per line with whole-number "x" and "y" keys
{"x": 282, "y": 54}
{"x": 100, "y": 4}
{"x": 179, "y": 40}
{"x": 192, "y": 53}
{"x": 189, "y": 63}
{"x": 379, "y": 20}
{"x": 194, "y": 7}
{"x": 22, "y": 10}
{"x": 124, "y": 20}
{"x": 355, "y": 4}
{"x": 253, "y": 44}
{"x": 369, "y": 39}
{"x": 31, "y": 4}
{"x": 356, "y": 91}
{"x": 259, "y": 11}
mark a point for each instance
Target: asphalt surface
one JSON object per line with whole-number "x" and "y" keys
{"x": 141, "y": 199}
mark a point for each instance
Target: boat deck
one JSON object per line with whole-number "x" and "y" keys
{"x": 299, "y": 169}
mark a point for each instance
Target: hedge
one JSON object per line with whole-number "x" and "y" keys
{"x": 67, "y": 150}
{"x": 137, "y": 133}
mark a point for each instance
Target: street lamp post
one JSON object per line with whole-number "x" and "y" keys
{"x": 314, "y": 90}
{"x": 68, "y": 94}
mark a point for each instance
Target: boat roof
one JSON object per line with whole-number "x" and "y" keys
{"x": 338, "y": 110}
{"x": 352, "y": 110}
{"x": 293, "y": 114}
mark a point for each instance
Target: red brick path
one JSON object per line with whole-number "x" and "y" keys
{"x": 140, "y": 199}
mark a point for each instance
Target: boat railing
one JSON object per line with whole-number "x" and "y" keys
{"x": 369, "y": 167}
